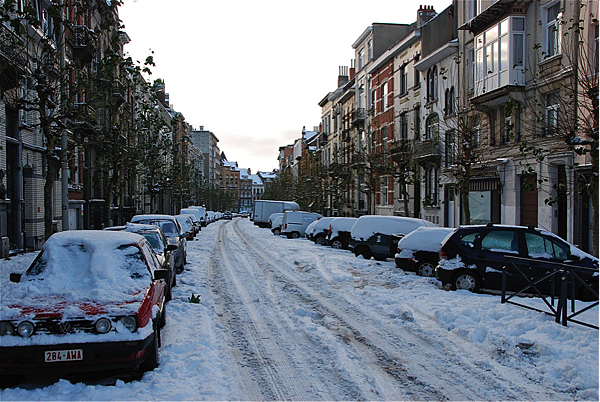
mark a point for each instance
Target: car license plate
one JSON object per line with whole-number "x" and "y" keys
{"x": 63, "y": 355}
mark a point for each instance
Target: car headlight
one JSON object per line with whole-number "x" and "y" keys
{"x": 129, "y": 322}
{"x": 25, "y": 329}
{"x": 6, "y": 328}
{"x": 103, "y": 325}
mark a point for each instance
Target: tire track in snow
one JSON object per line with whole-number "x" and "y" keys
{"x": 408, "y": 357}
{"x": 260, "y": 350}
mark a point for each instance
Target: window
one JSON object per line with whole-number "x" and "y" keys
{"x": 384, "y": 192}
{"x": 431, "y": 129}
{"x": 492, "y": 120}
{"x": 373, "y": 101}
{"x": 384, "y": 140}
{"x": 361, "y": 58}
{"x": 416, "y": 73}
{"x": 449, "y": 106}
{"x": 542, "y": 247}
{"x": 471, "y": 61}
{"x": 499, "y": 56}
{"x": 417, "y": 123}
{"x": 404, "y": 126}
{"x": 552, "y": 105}
{"x": 552, "y": 18}
{"x": 432, "y": 84}
{"x": 384, "y": 97}
{"x": 450, "y": 144}
{"x": 370, "y": 50}
{"x": 403, "y": 88}
{"x": 431, "y": 180}
{"x": 501, "y": 241}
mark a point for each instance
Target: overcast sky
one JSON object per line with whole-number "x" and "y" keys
{"x": 253, "y": 72}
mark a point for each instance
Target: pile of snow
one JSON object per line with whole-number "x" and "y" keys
{"x": 318, "y": 226}
{"x": 82, "y": 266}
{"x": 424, "y": 238}
{"x": 368, "y": 225}
{"x": 341, "y": 225}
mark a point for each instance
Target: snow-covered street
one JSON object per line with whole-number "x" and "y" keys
{"x": 284, "y": 319}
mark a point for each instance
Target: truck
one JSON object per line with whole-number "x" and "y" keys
{"x": 263, "y": 209}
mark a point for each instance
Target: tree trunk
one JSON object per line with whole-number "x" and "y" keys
{"x": 465, "y": 196}
{"x": 53, "y": 164}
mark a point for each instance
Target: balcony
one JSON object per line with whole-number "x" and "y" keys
{"x": 358, "y": 116}
{"x": 13, "y": 58}
{"x": 428, "y": 149}
{"x": 401, "y": 150}
{"x": 118, "y": 92}
{"x": 323, "y": 140}
{"x": 83, "y": 42}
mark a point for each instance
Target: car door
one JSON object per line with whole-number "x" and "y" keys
{"x": 545, "y": 250}
{"x": 489, "y": 256}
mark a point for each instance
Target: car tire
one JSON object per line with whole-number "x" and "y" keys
{"x": 466, "y": 280}
{"x": 277, "y": 232}
{"x": 426, "y": 268}
{"x": 151, "y": 361}
{"x": 364, "y": 251}
{"x": 295, "y": 235}
{"x": 320, "y": 240}
{"x": 337, "y": 244}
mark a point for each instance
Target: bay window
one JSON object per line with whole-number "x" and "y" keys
{"x": 500, "y": 56}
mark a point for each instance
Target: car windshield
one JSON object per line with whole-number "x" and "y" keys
{"x": 154, "y": 241}
{"x": 167, "y": 226}
{"x": 87, "y": 271}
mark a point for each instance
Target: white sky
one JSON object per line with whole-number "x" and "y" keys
{"x": 253, "y": 72}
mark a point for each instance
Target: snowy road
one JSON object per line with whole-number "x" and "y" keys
{"x": 286, "y": 319}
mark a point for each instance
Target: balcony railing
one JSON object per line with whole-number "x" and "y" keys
{"x": 13, "y": 56}
{"x": 431, "y": 148}
{"x": 358, "y": 116}
{"x": 83, "y": 42}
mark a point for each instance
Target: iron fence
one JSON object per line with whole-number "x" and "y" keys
{"x": 566, "y": 283}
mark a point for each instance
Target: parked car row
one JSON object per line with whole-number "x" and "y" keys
{"x": 96, "y": 300}
{"x": 468, "y": 257}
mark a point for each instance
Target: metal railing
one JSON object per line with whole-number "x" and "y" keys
{"x": 562, "y": 277}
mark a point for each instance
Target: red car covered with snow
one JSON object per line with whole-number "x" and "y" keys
{"x": 91, "y": 300}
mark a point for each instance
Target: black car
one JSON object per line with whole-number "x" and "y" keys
{"x": 473, "y": 258}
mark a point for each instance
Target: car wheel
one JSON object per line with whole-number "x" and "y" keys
{"x": 295, "y": 235}
{"x": 151, "y": 361}
{"x": 466, "y": 280}
{"x": 337, "y": 243}
{"x": 320, "y": 240}
{"x": 426, "y": 268}
{"x": 277, "y": 232}
{"x": 364, "y": 251}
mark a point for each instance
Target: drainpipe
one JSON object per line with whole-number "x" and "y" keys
{"x": 64, "y": 174}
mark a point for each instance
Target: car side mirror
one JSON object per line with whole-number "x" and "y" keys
{"x": 16, "y": 278}
{"x": 171, "y": 247}
{"x": 574, "y": 258}
{"x": 161, "y": 274}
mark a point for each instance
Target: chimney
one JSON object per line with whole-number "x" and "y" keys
{"x": 343, "y": 76}
{"x": 424, "y": 14}
{"x": 352, "y": 69}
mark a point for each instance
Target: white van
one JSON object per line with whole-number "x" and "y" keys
{"x": 295, "y": 222}
{"x": 202, "y": 211}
